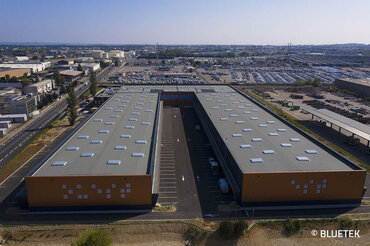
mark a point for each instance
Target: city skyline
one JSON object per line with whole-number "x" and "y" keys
{"x": 186, "y": 22}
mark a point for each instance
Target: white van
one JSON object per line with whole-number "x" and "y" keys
{"x": 224, "y": 186}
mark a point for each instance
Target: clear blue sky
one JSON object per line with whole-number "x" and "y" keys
{"x": 186, "y": 21}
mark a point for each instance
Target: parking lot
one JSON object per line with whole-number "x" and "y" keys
{"x": 200, "y": 151}
{"x": 176, "y": 181}
{"x": 186, "y": 179}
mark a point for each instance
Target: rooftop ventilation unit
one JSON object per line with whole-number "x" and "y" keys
{"x": 137, "y": 154}
{"x": 83, "y": 137}
{"x": 245, "y": 146}
{"x": 72, "y": 148}
{"x": 96, "y": 141}
{"x": 285, "y": 145}
{"x": 114, "y": 162}
{"x": 119, "y": 147}
{"x": 268, "y": 151}
{"x": 247, "y": 130}
{"x": 98, "y": 120}
{"x": 87, "y": 154}
{"x": 125, "y": 136}
{"x": 59, "y": 163}
{"x": 310, "y": 151}
{"x": 302, "y": 158}
{"x": 281, "y": 130}
{"x": 256, "y": 139}
{"x": 256, "y": 160}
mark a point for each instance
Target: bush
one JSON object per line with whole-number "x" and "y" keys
{"x": 239, "y": 228}
{"x": 346, "y": 224}
{"x": 297, "y": 225}
{"x": 8, "y": 235}
{"x": 93, "y": 238}
{"x": 226, "y": 229}
{"x": 196, "y": 234}
{"x": 289, "y": 227}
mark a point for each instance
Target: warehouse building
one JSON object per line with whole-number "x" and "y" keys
{"x": 43, "y": 86}
{"x": 267, "y": 160}
{"x": 31, "y": 66}
{"x": 108, "y": 161}
{"x": 13, "y": 72}
{"x": 358, "y": 86}
{"x": 112, "y": 160}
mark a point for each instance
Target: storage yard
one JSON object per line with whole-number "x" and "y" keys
{"x": 115, "y": 158}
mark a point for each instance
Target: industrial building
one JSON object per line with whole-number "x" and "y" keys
{"x": 17, "y": 104}
{"x": 13, "y": 72}
{"x": 33, "y": 67}
{"x": 43, "y": 86}
{"x": 113, "y": 159}
{"x": 358, "y": 86}
{"x": 116, "y": 54}
{"x": 87, "y": 66}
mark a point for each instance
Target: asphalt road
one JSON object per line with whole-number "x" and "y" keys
{"x": 176, "y": 180}
{"x": 18, "y": 142}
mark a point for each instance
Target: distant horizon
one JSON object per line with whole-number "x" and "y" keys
{"x": 180, "y": 22}
{"x": 25, "y": 43}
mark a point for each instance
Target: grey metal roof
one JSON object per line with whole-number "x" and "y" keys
{"x": 346, "y": 123}
{"x": 260, "y": 142}
{"x": 114, "y": 154}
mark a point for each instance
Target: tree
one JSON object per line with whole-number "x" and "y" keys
{"x": 79, "y": 67}
{"x": 116, "y": 63}
{"x": 163, "y": 62}
{"x": 59, "y": 80}
{"x": 239, "y": 227}
{"x": 93, "y": 238}
{"x": 316, "y": 82}
{"x": 25, "y": 82}
{"x": 243, "y": 54}
{"x": 14, "y": 79}
{"x": 226, "y": 229}
{"x": 72, "y": 101}
{"x": 7, "y": 77}
{"x": 93, "y": 83}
